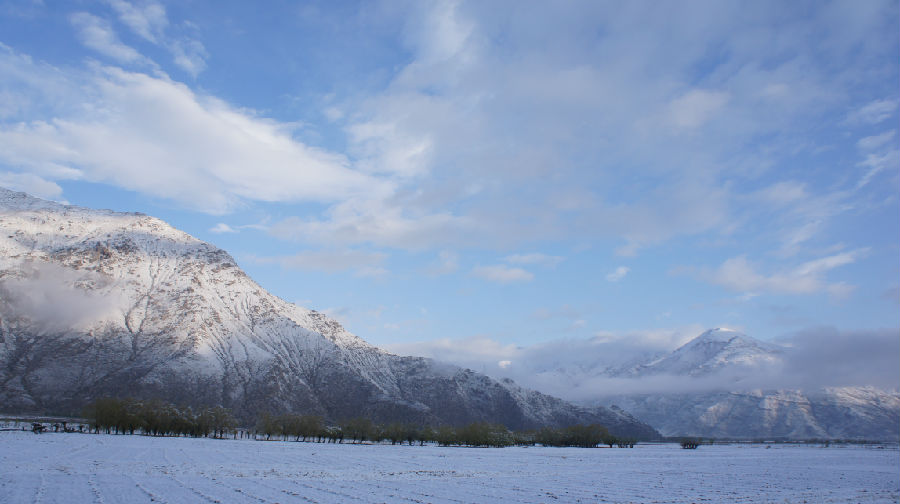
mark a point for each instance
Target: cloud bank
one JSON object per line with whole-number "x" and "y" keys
{"x": 587, "y": 369}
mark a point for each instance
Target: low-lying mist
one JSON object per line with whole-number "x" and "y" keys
{"x": 588, "y": 369}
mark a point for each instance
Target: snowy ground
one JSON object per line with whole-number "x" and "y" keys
{"x": 76, "y": 468}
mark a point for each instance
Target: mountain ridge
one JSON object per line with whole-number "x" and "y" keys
{"x": 97, "y": 302}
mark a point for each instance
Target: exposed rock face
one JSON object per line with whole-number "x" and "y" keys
{"x": 96, "y": 303}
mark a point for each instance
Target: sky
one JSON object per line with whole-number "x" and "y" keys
{"x": 469, "y": 176}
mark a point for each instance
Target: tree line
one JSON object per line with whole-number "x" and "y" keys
{"x": 159, "y": 418}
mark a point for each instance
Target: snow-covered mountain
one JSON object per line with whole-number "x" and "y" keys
{"x": 712, "y": 351}
{"x": 815, "y": 384}
{"x": 827, "y": 413}
{"x": 724, "y": 393}
{"x": 96, "y": 302}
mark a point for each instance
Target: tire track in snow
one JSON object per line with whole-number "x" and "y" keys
{"x": 428, "y": 497}
{"x": 286, "y": 492}
{"x": 148, "y": 493}
{"x": 244, "y": 492}
{"x": 198, "y": 493}
{"x": 92, "y": 482}
{"x": 328, "y": 492}
{"x": 39, "y": 493}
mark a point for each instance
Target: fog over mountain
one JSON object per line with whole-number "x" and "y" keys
{"x": 581, "y": 369}
{"x": 816, "y": 383}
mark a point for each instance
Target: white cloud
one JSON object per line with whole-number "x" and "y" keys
{"x": 50, "y": 296}
{"x": 501, "y": 273}
{"x": 824, "y": 264}
{"x": 877, "y": 163}
{"x": 784, "y": 192}
{"x": 447, "y": 262}
{"x": 534, "y": 258}
{"x": 876, "y": 141}
{"x": 156, "y": 136}
{"x": 696, "y": 107}
{"x": 802, "y": 213}
{"x": 149, "y": 21}
{"x": 565, "y": 312}
{"x": 333, "y": 114}
{"x": 618, "y": 274}
{"x": 365, "y": 264}
{"x": 444, "y": 32}
{"x": 875, "y": 112}
{"x": 384, "y": 149}
{"x": 371, "y": 272}
{"x": 537, "y": 105}
{"x": 98, "y": 35}
{"x": 497, "y": 131}
{"x": 221, "y": 228}
{"x": 190, "y": 55}
{"x": 367, "y": 219}
{"x": 31, "y": 184}
{"x": 740, "y": 275}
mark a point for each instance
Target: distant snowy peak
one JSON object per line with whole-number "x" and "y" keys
{"x": 714, "y": 350}
{"x": 718, "y": 334}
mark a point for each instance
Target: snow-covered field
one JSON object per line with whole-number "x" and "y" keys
{"x": 76, "y": 468}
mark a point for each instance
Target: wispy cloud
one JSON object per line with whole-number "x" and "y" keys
{"x": 501, "y": 273}
{"x": 697, "y": 107}
{"x": 150, "y": 22}
{"x": 534, "y": 258}
{"x": 632, "y": 138}
{"x": 221, "y": 228}
{"x": 447, "y": 262}
{"x": 618, "y": 274}
{"x": 740, "y": 275}
{"x": 875, "y": 112}
{"x": 876, "y": 141}
{"x": 878, "y": 163}
{"x": 97, "y": 34}
{"x": 368, "y": 219}
{"x": 366, "y": 264}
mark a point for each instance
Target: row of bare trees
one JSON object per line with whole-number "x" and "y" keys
{"x": 295, "y": 427}
{"x": 313, "y": 428}
{"x": 157, "y": 418}
{"x": 584, "y": 436}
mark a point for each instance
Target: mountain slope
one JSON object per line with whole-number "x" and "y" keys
{"x": 99, "y": 303}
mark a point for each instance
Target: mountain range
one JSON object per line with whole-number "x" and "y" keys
{"x": 100, "y": 303}
{"x": 723, "y": 384}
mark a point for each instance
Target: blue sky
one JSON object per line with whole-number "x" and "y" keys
{"x": 487, "y": 174}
